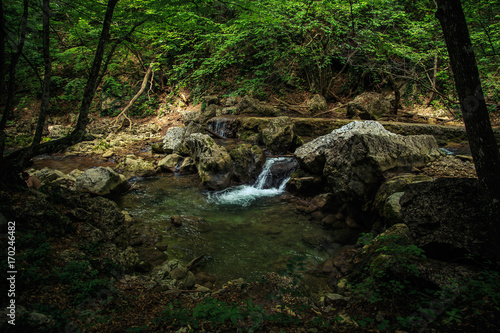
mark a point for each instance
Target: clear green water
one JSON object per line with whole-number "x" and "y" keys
{"x": 236, "y": 241}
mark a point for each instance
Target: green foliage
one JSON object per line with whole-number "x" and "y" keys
{"x": 210, "y": 311}
{"x": 377, "y": 281}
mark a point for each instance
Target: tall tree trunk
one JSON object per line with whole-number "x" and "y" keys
{"x": 477, "y": 122}
{"x": 46, "y": 80}
{"x": 93, "y": 80}
{"x": 3, "y": 70}
{"x": 9, "y": 103}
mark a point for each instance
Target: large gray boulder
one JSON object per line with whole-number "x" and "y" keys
{"x": 213, "y": 162}
{"x": 279, "y": 136}
{"x": 101, "y": 181}
{"x": 354, "y": 157}
{"x": 173, "y": 139}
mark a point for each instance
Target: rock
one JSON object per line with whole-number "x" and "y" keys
{"x": 231, "y": 100}
{"x": 354, "y": 158}
{"x": 47, "y": 175}
{"x": 369, "y": 106}
{"x": 278, "y": 136}
{"x": 171, "y": 162}
{"x": 226, "y": 111}
{"x": 136, "y": 166}
{"x": 157, "y": 148}
{"x": 58, "y": 131}
{"x": 249, "y": 105}
{"x": 308, "y": 186}
{"x": 172, "y": 274}
{"x": 173, "y": 139}
{"x": 226, "y": 127}
{"x": 101, "y": 181}
{"x": 188, "y": 166}
{"x": 189, "y": 116}
{"x": 211, "y": 99}
{"x": 449, "y": 218}
{"x": 392, "y": 209}
{"x": 317, "y": 104}
{"x": 208, "y": 113}
{"x": 213, "y": 162}
{"x": 393, "y": 185}
{"x": 248, "y": 161}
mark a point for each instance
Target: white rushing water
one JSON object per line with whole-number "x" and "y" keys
{"x": 244, "y": 195}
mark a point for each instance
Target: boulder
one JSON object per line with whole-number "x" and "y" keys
{"x": 213, "y": 162}
{"x": 248, "y": 161}
{"x": 211, "y": 99}
{"x": 388, "y": 195}
{"x": 189, "y": 116}
{"x": 370, "y": 106}
{"x": 208, "y": 113}
{"x": 101, "y": 181}
{"x": 278, "y": 136}
{"x": 173, "y": 139}
{"x": 249, "y": 105}
{"x": 188, "y": 166}
{"x": 171, "y": 274}
{"x": 353, "y": 158}
{"x": 171, "y": 162}
{"x": 136, "y": 166}
{"x": 317, "y": 104}
{"x": 58, "y": 131}
{"x": 449, "y": 218}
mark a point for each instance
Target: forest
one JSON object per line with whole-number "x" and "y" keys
{"x": 113, "y": 71}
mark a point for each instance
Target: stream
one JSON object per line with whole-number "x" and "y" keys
{"x": 244, "y": 231}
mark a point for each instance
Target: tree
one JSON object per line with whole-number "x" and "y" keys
{"x": 17, "y": 50}
{"x": 47, "y": 78}
{"x": 472, "y": 102}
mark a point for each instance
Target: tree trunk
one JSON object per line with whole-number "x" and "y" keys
{"x": 46, "y": 80}
{"x": 475, "y": 114}
{"x": 93, "y": 80}
{"x": 3, "y": 60}
{"x": 9, "y": 103}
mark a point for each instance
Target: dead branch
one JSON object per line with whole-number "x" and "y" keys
{"x": 123, "y": 114}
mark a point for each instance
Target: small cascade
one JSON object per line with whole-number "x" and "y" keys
{"x": 270, "y": 183}
{"x": 225, "y": 127}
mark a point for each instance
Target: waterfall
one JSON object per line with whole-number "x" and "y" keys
{"x": 225, "y": 127}
{"x": 270, "y": 183}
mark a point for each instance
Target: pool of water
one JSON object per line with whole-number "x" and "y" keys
{"x": 238, "y": 239}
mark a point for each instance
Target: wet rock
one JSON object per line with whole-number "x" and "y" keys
{"x": 248, "y": 161}
{"x": 136, "y": 166}
{"x": 354, "y": 157}
{"x": 231, "y": 100}
{"x": 188, "y": 166}
{"x": 101, "y": 181}
{"x": 213, "y": 162}
{"x": 171, "y": 162}
{"x": 278, "y": 136}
